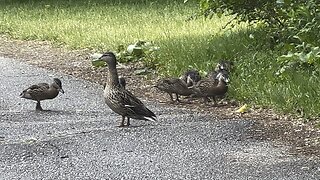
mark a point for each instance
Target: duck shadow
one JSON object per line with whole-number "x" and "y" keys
{"x": 136, "y": 126}
{"x": 176, "y": 102}
{"x": 53, "y": 112}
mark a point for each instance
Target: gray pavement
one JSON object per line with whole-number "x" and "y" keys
{"x": 79, "y": 139}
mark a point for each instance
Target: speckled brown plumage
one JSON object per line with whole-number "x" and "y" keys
{"x": 174, "y": 86}
{"x": 119, "y": 99}
{"x": 42, "y": 91}
{"x": 210, "y": 88}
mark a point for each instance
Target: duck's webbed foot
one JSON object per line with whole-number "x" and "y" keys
{"x": 171, "y": 98}
{"x": 205, "y": 100}
{"x": 177, "y": 99}
{"x": 122, "y": 122}
{"x": 214, "y": 101}
{"x": 128, "y": 121}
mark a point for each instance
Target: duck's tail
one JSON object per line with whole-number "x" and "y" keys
{"x": 151, "y": 118}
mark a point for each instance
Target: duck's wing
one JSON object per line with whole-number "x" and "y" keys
{"x": 44, "y": 85}
{"x": 136, "y": 108}
{"x": 166, "y": 85}
{"x": 205, "y": 86}
{"x": 33, "y": 90}
{"x": 170, "y": 82}
{"x": 38, "y": 86}
{"x": 213, "y": 75}
{"x": 179, "y": 83}
{"x": 181, "y": 88}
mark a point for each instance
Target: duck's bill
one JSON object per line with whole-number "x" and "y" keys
{"x": 62, "y": 91}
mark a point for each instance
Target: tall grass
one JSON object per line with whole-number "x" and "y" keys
{"x": 102, "y": 25}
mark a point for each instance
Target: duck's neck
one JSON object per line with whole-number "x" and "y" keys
{"x": 113, "y": 76}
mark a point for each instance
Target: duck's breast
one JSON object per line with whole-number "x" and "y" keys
{"x": 114, "y": 99}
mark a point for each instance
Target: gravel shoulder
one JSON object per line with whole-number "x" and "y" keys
{"x": 77, "y": 138}
{"x": 301, "y": 137}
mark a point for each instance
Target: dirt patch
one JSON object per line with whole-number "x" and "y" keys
{"x": 302, "y": 137}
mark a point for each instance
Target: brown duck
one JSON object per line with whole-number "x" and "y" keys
{"x": 209, "y": 88}
{"x": 42, "y": 91}
{"x": 174, "y": 86}
{"x": 119, "y": 99}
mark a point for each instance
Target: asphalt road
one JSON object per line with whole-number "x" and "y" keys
{"x": 79, "y": 139}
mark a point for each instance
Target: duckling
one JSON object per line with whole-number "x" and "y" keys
{"x": 174, "y": 86}
{"x": 42, "y": 91}
{"x": 208, "y": 88}
{"x": 223, "y": 65}
{"x": 191, "y": 77}
{"x": 119, "y": 99}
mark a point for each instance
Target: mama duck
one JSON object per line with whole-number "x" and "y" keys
{"x": 42, "y": 91}
{"x": 119, "y": 99}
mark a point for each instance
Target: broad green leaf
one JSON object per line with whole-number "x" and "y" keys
{"x": 98, "y": 63}
{"x": 141, "y": 71}
{"x": 137, "y": 51}
{"x": 130, "y": 48}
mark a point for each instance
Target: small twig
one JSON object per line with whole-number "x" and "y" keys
{"x": 229, "y": 22}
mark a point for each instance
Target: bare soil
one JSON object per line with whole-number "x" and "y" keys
{"x": 302, "y": 137}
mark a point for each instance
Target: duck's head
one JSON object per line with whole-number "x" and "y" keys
{"x": 223, "y": 75}
{"x": 191, "y": 77}
{"x": 220, "y": 66}
{"x": 193, "y": 74}
{"x": 59, "y": 85}
{"x": 109, "y": 58}
{"x": 223, "y": 65}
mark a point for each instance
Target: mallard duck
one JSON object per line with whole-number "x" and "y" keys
{"x": 222, "y": 66}
{"x": 174, "y": 86}
{"x": 120, "y": 100}
{"x": 191, "y": 77}
{"x": 42, "y": 91}
{"x": 207, "y": 88}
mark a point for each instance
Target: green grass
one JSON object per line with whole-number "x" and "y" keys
{"x": 103, "y": 25}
